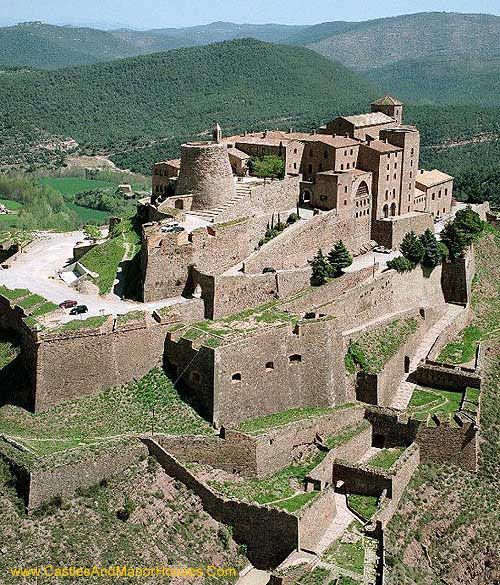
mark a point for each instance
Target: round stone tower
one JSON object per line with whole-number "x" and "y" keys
{"x": 206, "y": 174}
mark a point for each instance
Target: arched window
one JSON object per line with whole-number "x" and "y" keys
{"x": 393, "y": 209}
{"x": 236, "y": 377}
{"x": 385, "y": 210}
{"x": 362, "y": 189}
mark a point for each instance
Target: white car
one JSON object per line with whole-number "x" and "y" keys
{"x": 382, "y": 250}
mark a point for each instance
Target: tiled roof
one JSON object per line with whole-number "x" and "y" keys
{"x": 432, "y": 178}
{"x": 387, "y": 100}
{"x": 238, "y": 153}
{"x": 381, "y": 146}
{"x": 372, "y": 119}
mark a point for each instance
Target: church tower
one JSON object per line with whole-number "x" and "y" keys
{"x": 390, "y": 107}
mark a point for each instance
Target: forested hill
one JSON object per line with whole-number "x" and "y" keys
{"x": 244, "y": 84}
{"x": 376, "y": 43}
{"x": 46, "y": 46}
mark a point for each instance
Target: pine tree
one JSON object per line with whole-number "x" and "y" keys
{"x": 454, "y": 239}
{"x": 321, "y": 269}
{"x": 432, "y": 253}
{"x": 339, "y": 258}
{"x": 412, "y": 248}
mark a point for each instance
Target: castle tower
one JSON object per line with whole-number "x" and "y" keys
{"x": 205, "y": 173}
{"x": 217, "y": 133}
{"x": 390, "y": 107}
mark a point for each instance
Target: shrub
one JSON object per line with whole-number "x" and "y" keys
{"x": 124, "y": 513}
{"x": 411, "y": 248}
{"x": 401, "y": 264}
{"x": 268, "y": 165}
{"x": 339, "y": 258}
{"x": 292, "y": 218}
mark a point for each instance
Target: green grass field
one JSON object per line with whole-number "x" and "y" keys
{"x": 70, "y": 186}
{"x": 428, "y": 401}
{"x": 12, "y": 205}
{"x": 386, "y": 458}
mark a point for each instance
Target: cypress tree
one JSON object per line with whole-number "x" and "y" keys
{"x": 454, "y": 239}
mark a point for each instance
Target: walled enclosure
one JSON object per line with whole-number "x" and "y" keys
{"x": 298, "y": 366}
{"x": 69, "y": 364}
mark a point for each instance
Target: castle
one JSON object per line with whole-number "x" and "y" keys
{"x": 246, "y": 337}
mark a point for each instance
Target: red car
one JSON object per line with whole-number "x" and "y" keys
{"x": 68, "y": 304}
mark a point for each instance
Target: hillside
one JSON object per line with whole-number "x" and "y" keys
{"x": 169, "y": 96}
{"x": 443, "y": 80}
{"x": 376, "y": 43}
{"x": 445, "y": 529}
{"x": 86, "y": 529}
{"x": 46, "y": 46}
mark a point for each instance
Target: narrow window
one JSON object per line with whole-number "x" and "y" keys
{"x": 236, "y": 377}
{"x": 269, "y": 366}
{"x": 295, "y": 358}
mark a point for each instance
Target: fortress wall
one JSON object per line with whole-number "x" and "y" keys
{"x": 457, "y": 279}
{"x": 457, "y": 445}
{"x": 264, "y": 197}
{"x": 388, "y": 293}
{"x": 65, "y": 480}
{"x": 352, "y": 450}
{"x": 300, "y": 242}
{"x": 195, "y": 371}
{"x": 236, "y": 453}
{"x": 269, "y": 534}
{"x": 166, "y": 258}
{"x": 275, "y": 448}
{"x": 318, "y": 296}
{"x": 450, "y": 445}
{"x": 362, "y": 480}
{"x": 447, "y": 377}
{"x": 450, "y": 332}
{"x": 406, "y": 467}
{"x": 381, "y": 388}
{"x": 316, "y": 380}
{"x": 315, "y": 518}
{"x": 229, "y": 294}
{"x": 69, "y": 364}
{"x": 390, "y": 232}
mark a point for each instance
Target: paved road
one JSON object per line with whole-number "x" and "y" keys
{"x": 36, "y": 269}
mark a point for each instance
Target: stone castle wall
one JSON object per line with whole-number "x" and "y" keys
{"x": 390, "y": 232}
{"x": 300, "y": 242}
{"x": 457, "y": 279}
{"x": 69, "y": 364}
{"x": 269, "y": 534}
{"x": 315, "y": 519}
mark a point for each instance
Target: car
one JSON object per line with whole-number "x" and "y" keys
{"x": 382, "y": 250}
{"x": 268, "y": 269}
{"x": 79, "y": 309}
{"x": 68, "y": 304}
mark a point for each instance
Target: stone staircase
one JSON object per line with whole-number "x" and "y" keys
{"x": 242, "y": 192}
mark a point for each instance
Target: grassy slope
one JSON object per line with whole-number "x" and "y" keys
{"x": 85, "y": 531}
{"x": 454, "y": 514}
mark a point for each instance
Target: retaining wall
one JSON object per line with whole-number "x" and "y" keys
{"x": 446, "y": 376}
{"x": 315, "y": 519}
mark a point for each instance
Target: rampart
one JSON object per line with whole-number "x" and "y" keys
{"x": 66, "y": 364}
{"x": 298, "y": 243}
{"x": 446, "y": 376}
{"x": 275, "y": 369}
{"x": 390, "y": 232}
{"x": 269, "y": 534}
{"x": 457, "y": 276}
{"x": 42, "y": 483}
{"x": 439, "y": 442}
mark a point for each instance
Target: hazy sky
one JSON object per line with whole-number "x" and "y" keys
{"x": 165, "y": 13}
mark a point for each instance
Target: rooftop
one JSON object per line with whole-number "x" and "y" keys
{"x": 387, "y": 100}
{"x": 238, "y": 153}
{"x": 176, "y": 162}
{"x": 432, "y": 178}
{"x": 383, "y": 147}
{"x": 371, "y": 119}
